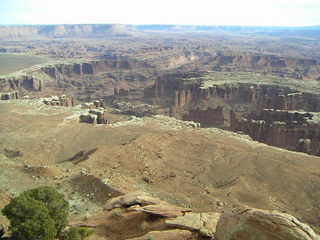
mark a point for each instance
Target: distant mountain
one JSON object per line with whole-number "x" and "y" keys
{"x": 68, "y": 30}
{"x": 123, "y": 30}
{"x": 310, "y": 30}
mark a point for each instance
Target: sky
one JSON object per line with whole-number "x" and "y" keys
{"x": 186, "y": 12}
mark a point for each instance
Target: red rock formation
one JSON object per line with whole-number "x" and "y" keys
{"x": 187, "y": 99}
{"x": 253, "y": 224}
{"x": 241, "y": 107}
{"x": 74, "y": 76}
{"x": 297, "y": 131}
{"x": 92, "y": 67}
{"x": 154, "y": 216}
{"x": 208, "y": 117}
{"x": 299, "y": 68}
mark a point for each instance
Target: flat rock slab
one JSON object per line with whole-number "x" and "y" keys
{"x": 255, "y": 224}
{"x": 168, "y": 235}
{"x": 203, "y": 223}
{"x": 130, "y": 199}
{"x": 162, "y": 210}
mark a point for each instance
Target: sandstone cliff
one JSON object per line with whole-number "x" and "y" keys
{"x": 188, "y": 98}
{"x": 240, "y": 106}
{"x": 27, "y": 82}
{"x": 81, "y": 78}
{"x": 297, "y": 131}
{"x": 298, "y": 68}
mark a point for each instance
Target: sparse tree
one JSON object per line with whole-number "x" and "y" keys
{"x": 54, "y": 201}
{"x": 37, "y": 214}
{"x": 29, "y": 219}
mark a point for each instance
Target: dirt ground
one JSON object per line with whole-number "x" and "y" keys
{"x": 204, "y": 169}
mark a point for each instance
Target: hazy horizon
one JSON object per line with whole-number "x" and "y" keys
{"x": 159, "y": 24}
{"x": 277, "y": 13}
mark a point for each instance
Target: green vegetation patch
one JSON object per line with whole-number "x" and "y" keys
{"x": 10, "y": 63}
{"x": 39, "y": 213}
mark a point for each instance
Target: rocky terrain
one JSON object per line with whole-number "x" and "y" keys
{"x": 297, "y": 131}
{"x": 166, "y": 132}
{"x": 203, "y": 169}
{"x": 238, "y": 101}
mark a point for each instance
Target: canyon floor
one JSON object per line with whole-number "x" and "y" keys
{"x": 203, "y": 169}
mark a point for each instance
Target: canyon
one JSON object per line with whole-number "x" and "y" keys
{"x": 249, "y": 103}
{"x": 173, "y": 132}
{"x": 239, "y": 86}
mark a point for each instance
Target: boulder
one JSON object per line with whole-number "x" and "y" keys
{"x": 99, "y": 103}
{"x": 165, "y": 221}
{"x": 168, "y": 235}
{"x": 203, "y": 223}
{"x": 253, "y": 224}
{"x": 163, "y": 210}
{"x": 130, "y": 199}
{"x": 63, "y": 100}
{"x": 88, "y": 118}
{"x": 141, "y": 202}
{"x": 93, "y": 105}
{"x": 101, "y": 115}
{"x": 95, "y": 116}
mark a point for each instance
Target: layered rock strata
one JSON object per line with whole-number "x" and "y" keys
{"x": 293, "y": 130}
{"x": 211, "y": 105}
{"x": 81, "y": 77}
{"x": 149, "y": 216}
{"x": 240, "y": 106}
{"x": 298, "y": 68}
{"x": 253, "y": 224}
{"x": 26, "y": 82}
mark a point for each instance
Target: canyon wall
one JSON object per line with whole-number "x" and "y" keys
{"x": 93, "y": 67}
{"x": 298, "y": 68}
{"x": 186, "y": 98}
{"x": 241, "y": 107}
{"x": 27, "y": 82}
{"x": 81, "y": 78}
{"x": 293, "y": 130}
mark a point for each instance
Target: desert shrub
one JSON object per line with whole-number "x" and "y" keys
{"x": 85, "y": 232}
{"x": 54, "y": 201}
{"x": 37, "y": 214}
{"x": 77, "y": 233}
{"x": 29, "y": 219}
{"x": 72, "y": 234}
